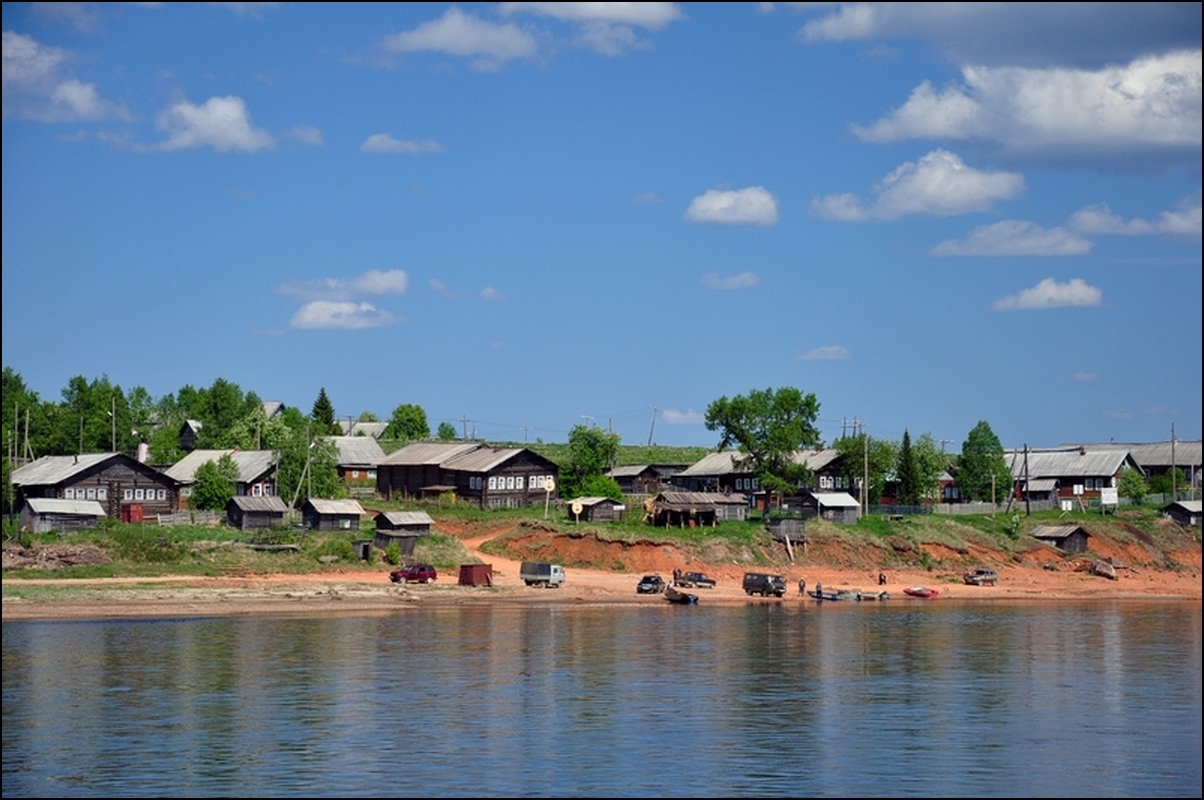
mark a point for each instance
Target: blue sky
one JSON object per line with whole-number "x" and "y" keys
{"x": 525, "y": 216}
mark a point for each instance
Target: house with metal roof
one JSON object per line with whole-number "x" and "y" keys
{"x": 356, "y": 458}
{"x": 645, "y": 478}
{"x": 839, "y": 507}
{"x": 255, "y": 513}
{"x": 47, "y": 515}
{"x": 256, "y": 471}
{"x": 320, "y": 514}
{"x": 1066, "y": 472}
{"x": 1067, "y": 538}
{"x": 402, "y": 528}
{"x": 374, "y": 430}
{"x": 126, "y": 488}
{"x": 1185, "y": 512}
{"x": 1158, "y": 458}
{"x": 695, "y": 509}
{"x": 595, "y": 509}
{"x": 728, "y": 471}
{"x": 489, "y": 477}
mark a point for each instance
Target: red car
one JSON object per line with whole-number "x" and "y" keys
{"x": 414, "y": 573}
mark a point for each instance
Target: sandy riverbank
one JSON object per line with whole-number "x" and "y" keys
{"x": 368, "y": 590}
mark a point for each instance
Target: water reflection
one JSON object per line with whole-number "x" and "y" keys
{"x": 906, "y": 699}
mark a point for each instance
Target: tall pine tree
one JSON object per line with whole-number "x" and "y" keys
{"x": 908, "y": 472}
{"x": 323, "y": 416}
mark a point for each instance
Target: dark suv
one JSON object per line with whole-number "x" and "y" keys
{"x": 698, "y": 579}
{"x": 764, "y": 585}
{"x": 414, "y": 573}
{"x": 650, "y": 584}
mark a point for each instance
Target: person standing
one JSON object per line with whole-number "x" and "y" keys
{"x": 802, "y": 587}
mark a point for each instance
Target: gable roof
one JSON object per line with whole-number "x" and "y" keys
{"x": 264, "y": 503}
{"x": 374, "y": 430}
{"x": 357, "y": 451}
{"x": 728, "y": 462}
{"x": 429, "y": 453}
{"x": 1057, "y": 532}
{"x": 49, "y": 470}
{"x": 407, "y": 517}
{"x": 325, "y": 506}
{"x": 483, "y": 459}
{"x": 835, "y": 500}
{"x": 53, "y": 505}
{"x": 1066, "y": 463}
{"x": 251, "y": 464}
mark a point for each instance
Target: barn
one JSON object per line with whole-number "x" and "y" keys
{"x": 255, "y": 513}
{"x": 402, "y": 528}
{"x": 47, "y": 515}
{"x": 331, "y": 515}
{"x": 1067, "y": 538}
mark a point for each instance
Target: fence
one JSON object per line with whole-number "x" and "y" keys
{"x": 191, "y": 518}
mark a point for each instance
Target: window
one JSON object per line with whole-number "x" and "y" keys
{"x": 91, "y": 492}
{"x": 492, "y": 482}
{"x": 518, "y": 482}
{"x": 355, "y": 473}
{"x": 102, "y": 493}
{"x": 756, "y": 482}
{"x": 345, "y": 524}
{"x": 69, "y": 493}
{"x": 257, "y": 490}
{"x": 128, "y": 494}
{"x": 139, "y": 494}
{"x": 510, "y": 482}
{"x": 161, "y": 494}
{"x": 537, "y": 482}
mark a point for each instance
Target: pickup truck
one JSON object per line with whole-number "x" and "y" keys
{"x": 541, "y": 573}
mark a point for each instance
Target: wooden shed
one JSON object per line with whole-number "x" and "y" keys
{"x": 331, "y": 515}
{"x": 255, "y": 513}
{"x": 1185, "y": 512}
{"x": 683, "y": 509}
{"x": 476, "y": 574}
{"x": 47, "y": 514}
{"x": 1067, "y": 538}
{"x": 839, "y": 507}
{"x": 595, "y": 509}
{"x": 402, "y": 528}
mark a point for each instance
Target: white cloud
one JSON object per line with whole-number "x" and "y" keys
{"x": 371, "y": 283}
{"x": 1152, "y": 102}
{"x": 744, "y": 280}
{"x": 751, "y": 206}
{"x": 327, "y": 315}
{"x": 84, "y": 17}
{"x": 1028, "y": 34}
{"x": 307, "y": 134}
{"x": 940, "y": 183}
{"x": 1016, "y": 238}
{"x": 675, "y": 417}
{"x": 830, "y": 353}
{"x": 385, "y": 143}
{"x": 439, "y": 287}
{"x": 460, "y": 34}
{"x": 34, "y": 87}
{"x": 491, "y": 294}
{"x": 605, "y": 28}
{"x": 247, "y": 9}
{"x": 1100, "y": 219}
{"x": 1084, "y": 377}
{"x": 1051, "y": 294}
{"x": 222, "y": 123}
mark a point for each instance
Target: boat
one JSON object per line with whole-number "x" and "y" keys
{"x": 921, "y": 591}
{"x": 882, "y": 595}
{"x": 820, "y": 594}
{"x": 674, "y": 595}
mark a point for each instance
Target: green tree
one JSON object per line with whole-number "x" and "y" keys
{"x": 981, "y": 468}
{"x": 447, "y": 431}
{"x": 861, "y": 454}
{"x": 306, "y": 465}
{"x": 322, "y": 416}
{"x": 592, "y": 451}
{"x": 1131, "y": 484}
{"x": 931, "y": 464}
{"x": 214, "y": 485}
{"x": 367, "y": 416}
{"x": 768, "y": 427}
{"x": 408, "y": 422}
{"x": 1161, "y": 484}
{"x": 908, "y": 473}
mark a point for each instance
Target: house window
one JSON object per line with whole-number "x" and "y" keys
{"x": 91, "y": 492}
{"x": 139, "y": 494}
{"x": 510, "y": 482}
{"x": 102, "y": 493}
{"x": 345, "y": 524}
{"x": 371, "y": 474}
{"x": 518, "y": 482}
{"x": 756, "y": 482}
{"x": 127, "y": 494}
{"x": 257, "y": 490}
{"x": 69, "y": 493}
{"x": 355, "y": 473}
{"x": 492, "y": 482}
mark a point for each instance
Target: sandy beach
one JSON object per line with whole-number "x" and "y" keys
{"x": 365, "y": 590}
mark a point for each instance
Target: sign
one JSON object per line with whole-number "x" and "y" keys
{"x": 1068, "y": 505}
{"x": 1109, "y": 497}
{"x": 549, "y": 484}
{"x": 578, "y": 507}
{"x": 1078, "y": 488}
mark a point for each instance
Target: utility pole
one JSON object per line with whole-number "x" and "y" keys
{"x": 589, "y": 419}
{"x": 1173, "y": 488}
{"x": 865, "y": 480}
{"x": 464, "y": 426}
{"x": 653, "y": 426}
{"x": 1027, "y": 508}
{"x": 113, "y": 419}
{"x": 525, "y": 429}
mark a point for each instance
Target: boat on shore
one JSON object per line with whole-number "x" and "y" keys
{"x": 820, "y": 594}
{"x": 674, "y": 595}
{"x": 921, "y": 591}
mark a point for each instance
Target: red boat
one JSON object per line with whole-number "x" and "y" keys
{"x": 921, "y": 591}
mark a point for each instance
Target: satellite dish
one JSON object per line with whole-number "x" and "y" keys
{"x": 577, "y": 507}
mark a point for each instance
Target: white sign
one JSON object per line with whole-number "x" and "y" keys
{"x": 1109, "y": 497}
{"x": 1067, "y": 505}
{"x": 1078, "y": 488}
{"x": 549, "y": 485}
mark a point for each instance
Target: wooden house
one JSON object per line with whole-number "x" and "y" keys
{"x": 126, "y": 489}
{"x": 695, "y": 509}
{"x": 488, "y": 477}
{"x": 356, "y": 458}
{"x": 47, "y": 515}
{"x": 188, "y": 433}
{"x": 728, "y": 471}
{"x": 1185, "y": 512}
{"x": 255, "y": 513}
{"x": 1066, "y": 473}
{"x": 839, "y": 507}
{"x": 595, "y": 509}
{"x": 645, "y": 478}
{"x": 256, "y": 471}
{"x": 321, "y": 514}
{"x": 1067, "y": 538}
{"x": 1159, "y": 458}
{"x": 402, "y": 528}
{"x": 373, "y": 430}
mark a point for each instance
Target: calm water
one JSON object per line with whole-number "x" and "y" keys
{"x": 904, "y": 698}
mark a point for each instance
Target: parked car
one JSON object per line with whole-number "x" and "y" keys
{"x": 981, "y": 577}
{"x": 764, "y": 584}
{"x": 650, "y": 584}
{"x": 698, "y": 579}
{"x": 414, "y": 573}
